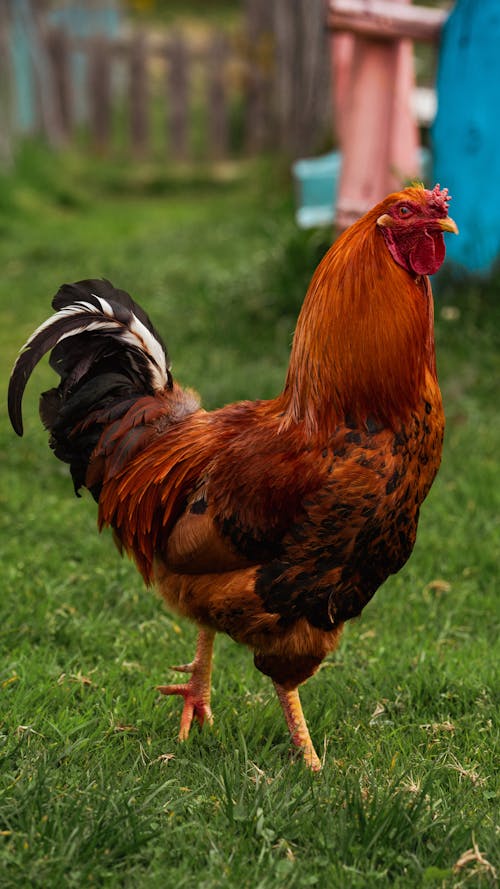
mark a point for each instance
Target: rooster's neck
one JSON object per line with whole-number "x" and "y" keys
{"x": 364, "y": 338}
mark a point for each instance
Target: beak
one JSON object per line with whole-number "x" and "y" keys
{"x": 448, "y": 225}
{"x": 384, "y": 220}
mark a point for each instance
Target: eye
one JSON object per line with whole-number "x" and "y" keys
{"x": 404, "y": 210}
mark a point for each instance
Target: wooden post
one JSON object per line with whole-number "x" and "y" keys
{"x": 31, "y": 11}
{"x": 99, "y": 91}
{"x": 139, "y": 95}
{"x": 301, "y": 86}
{"x": 288, "y": 67}
{"x": 260, "y": 67}
{"x": 60, "y": 57}
{"x": 217, "y": 110}
{"x": 178, "y": 97}
{"x": 313, "y": 89}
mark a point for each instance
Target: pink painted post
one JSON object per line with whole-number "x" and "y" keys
{"x": 405, "y": 140}
{"x": 373, "y": 82}
{"x": 367, "y": 149}
{"x": 342, "y": 49}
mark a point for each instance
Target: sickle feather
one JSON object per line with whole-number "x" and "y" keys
{"x": 93, "y": 314}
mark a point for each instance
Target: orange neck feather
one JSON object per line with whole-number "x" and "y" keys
{"x": 364, "y": 337}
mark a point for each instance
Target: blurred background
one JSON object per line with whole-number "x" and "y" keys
{"x": 360, "y": 95}
{"x": 165, "y": 80}
{"x": 202, "y": 155}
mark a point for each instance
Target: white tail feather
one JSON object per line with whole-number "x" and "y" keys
{"x": 135, "y": 333}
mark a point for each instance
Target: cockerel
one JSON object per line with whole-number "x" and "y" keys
{"x": 271, "y": 521}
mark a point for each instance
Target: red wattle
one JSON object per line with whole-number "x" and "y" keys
{"x": 427, "y": 254}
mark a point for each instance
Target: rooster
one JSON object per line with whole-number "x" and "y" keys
{"x": 272, "y": 521}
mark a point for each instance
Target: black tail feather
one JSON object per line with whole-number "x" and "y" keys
{"x": 107, "y": 354}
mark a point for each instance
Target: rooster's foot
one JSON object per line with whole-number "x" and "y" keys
{"x": 196, "y": 692}
{"x": 196, "y": 705}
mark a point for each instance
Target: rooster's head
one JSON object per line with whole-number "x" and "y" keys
{"x": 412, "y": 223}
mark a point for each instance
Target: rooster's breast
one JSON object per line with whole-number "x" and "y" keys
{"x": 361, "y": 526}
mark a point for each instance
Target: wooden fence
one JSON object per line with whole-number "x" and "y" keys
{"x": 144, "y": 93}
{"x": 158, "y": 94}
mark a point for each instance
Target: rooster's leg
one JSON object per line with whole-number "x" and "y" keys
{"x": 297, "y": 726}
{"x": 196, "y": 692}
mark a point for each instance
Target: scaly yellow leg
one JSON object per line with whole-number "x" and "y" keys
{"x": 292, "y": 708}
{"x": 196, "y": 692}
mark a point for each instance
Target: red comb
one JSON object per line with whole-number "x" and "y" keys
{"x": 440, "y": 198}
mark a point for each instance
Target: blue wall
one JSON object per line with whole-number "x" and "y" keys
{"x": 466, "y": 133}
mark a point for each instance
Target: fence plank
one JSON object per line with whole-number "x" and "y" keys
{"x": 217, "y": 111}
{"x": 6, "y": 90}
{"x": 99, "y": 91}
{"x": 59, "y": 50}
{"x": 288, "y": 70}
{"x": 302, "y": 79}
{"x": 178, "y": 98}
{"x": 47, "y": 105}
{"x": 139, "y": 95}
{"x": 260, "y": 67}
{"x": 314, "y": 92}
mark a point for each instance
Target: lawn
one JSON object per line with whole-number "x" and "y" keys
{"x": 94, "y": 788}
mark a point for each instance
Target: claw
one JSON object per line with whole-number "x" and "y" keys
{"x": 184, "y": 668}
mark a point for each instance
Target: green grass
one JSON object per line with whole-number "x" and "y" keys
{"x": 94, "y": 788}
